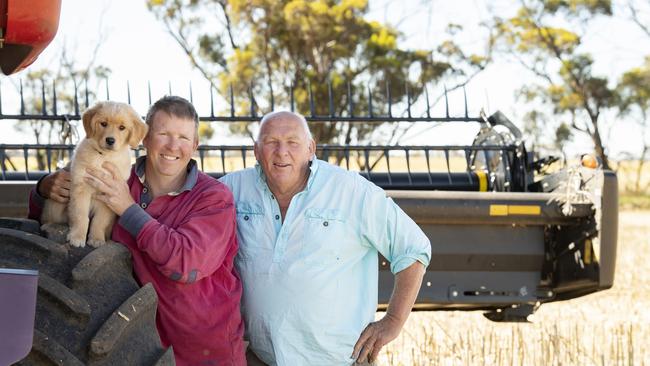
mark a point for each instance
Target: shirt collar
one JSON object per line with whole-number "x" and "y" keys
{"x": 313, "y": 168}
{"x": 190, "y": 181}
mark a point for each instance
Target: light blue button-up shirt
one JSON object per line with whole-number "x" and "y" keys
{"x": 310, "y": 282}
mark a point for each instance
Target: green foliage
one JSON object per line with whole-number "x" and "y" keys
{"x": 269, "y": 47}
{"x": 205, "y": 132}
{"x": 578, "y": 7}
{"x": 562, "y": 134}
{"x": 634, "y": 88}
{"x": 539, "y": 38}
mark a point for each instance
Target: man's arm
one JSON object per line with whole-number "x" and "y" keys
{"x": 187, "y": 253}
{"x": 198, "y": 246}
{"x": 55, "y": 186}
{"x": 379, "y": 333}
{"x": 388, "y": 229}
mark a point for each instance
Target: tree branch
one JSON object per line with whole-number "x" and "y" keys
{"x": 637, "y": 19}
{"x": 223, "y": 4}
{"x": 181, "y": 40}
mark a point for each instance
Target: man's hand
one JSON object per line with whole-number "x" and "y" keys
{"x": 374, "y": 337}
{"x": 112, "y": 190}
{"x": 378, "y": 334}
{"x": 56, "y": 186}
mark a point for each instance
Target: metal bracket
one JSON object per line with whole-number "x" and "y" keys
{"x": 517, "y": 313}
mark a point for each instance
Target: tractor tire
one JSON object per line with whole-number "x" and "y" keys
{"x": 90, "y": 310}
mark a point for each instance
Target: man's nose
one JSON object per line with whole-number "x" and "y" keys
{"x": 110, "y": 141}
{"x": 172, "y": 143}
{"x": 282, "y": 148}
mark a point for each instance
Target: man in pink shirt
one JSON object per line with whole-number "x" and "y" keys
{"x": 179, "y": 225}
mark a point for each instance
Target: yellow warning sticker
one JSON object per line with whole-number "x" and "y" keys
{"x": 498, "y": 210}
{"x": 505, "y": 210}
{"x": 524, "y": 210}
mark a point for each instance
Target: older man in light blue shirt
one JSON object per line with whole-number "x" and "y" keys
{"x": 309, "y": 237}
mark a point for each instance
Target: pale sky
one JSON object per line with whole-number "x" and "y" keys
{"x": 137, "y": 48}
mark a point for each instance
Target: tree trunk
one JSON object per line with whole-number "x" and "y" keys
{"x": 598, "y": 143}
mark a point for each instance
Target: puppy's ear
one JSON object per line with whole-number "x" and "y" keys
{"x": 138, "y": 130}
{"x": 87, "y": 118}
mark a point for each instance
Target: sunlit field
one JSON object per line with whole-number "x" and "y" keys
{"x": 606, "y": 328}
{"x": 456, "y": 161}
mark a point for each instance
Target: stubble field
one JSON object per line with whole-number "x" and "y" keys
{"x": 605, "y": 328}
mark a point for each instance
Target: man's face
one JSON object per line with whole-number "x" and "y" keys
{"x": 283, "y": 150}
{"x": 170, "y": 143}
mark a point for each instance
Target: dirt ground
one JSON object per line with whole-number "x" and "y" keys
{"x": 606, "y": 328}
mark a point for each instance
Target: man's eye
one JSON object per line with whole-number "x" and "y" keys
{"x": 122, "y": 128}
{"x": 104, "y": 124}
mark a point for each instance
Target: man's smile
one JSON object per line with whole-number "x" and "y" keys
{"x": 169, "y": 157}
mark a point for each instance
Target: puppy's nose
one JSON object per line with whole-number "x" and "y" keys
{"x": 110, "y": 141}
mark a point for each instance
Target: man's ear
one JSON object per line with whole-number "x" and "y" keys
{"x": 312, "y": 147}
{"x": 255, "y": 151}
{"x": 87, "y": 118}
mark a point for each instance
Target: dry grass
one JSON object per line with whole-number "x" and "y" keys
{"x": 627, "y": 172}
{"x": 606, "y": 328}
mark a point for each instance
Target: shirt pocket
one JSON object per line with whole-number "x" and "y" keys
{"x": 250, "y": 230}
{"x": 325, "y": 237}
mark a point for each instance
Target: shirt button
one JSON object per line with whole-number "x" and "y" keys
{"x": 246, "y": 218}
{"x": 143, "y": 205}
{"x": 144, "y": 190}
{"x": 277, "y": 217}
{"x": 325, "y": 223}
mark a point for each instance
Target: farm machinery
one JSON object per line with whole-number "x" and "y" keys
{"x": 509, "y": 230}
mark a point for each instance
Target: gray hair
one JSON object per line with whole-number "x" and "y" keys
{"x": 282, "y": 115}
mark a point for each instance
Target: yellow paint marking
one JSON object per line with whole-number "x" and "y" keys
{"x": 505, "y": 210}
{"x": 498, "y": 210}
{"x": 524, "y": 210}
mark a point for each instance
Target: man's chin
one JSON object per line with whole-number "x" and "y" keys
{"x": 281, "y": 179}
{"x": 169, "y": 171}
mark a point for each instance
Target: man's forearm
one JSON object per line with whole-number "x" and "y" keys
{"x": 405, "y": 292}
{"x": 379, "y": 333}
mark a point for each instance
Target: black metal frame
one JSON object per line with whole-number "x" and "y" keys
{"x": 409, "y": 179}
{"x": 254, "y": 116}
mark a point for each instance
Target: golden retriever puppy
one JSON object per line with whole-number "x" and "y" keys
{"x": 111, "y": 129}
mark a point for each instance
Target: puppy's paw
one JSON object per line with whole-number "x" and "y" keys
{"x": 96, "y": 242}
{"x": 76, "y": 241}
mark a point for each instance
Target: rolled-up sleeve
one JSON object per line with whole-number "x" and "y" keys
{"x": 36, "y": 203}
{"x": 391, "y": 231}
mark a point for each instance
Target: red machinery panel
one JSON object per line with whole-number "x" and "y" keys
{"x": 28, "y": 26}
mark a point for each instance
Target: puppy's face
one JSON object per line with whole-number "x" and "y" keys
{"x": 113, "y": 126}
